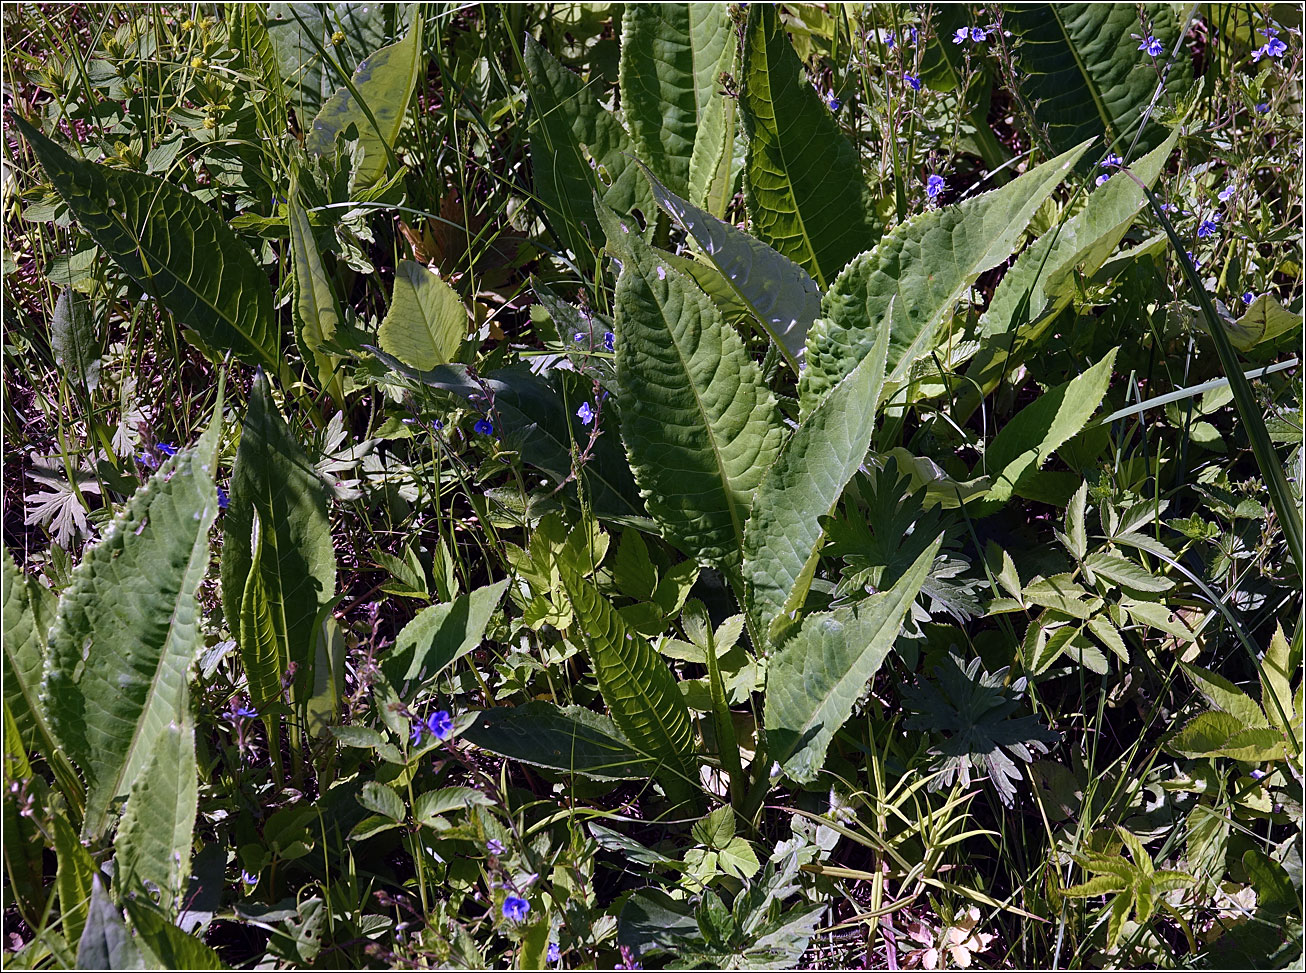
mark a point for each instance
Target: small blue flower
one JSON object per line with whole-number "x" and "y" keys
{"x": 578, "y": 337}
{"x": 223, "y": 500}
{"x": 147, "y": 460}
{"x": 1209, "y": 227}
{"x": 978, "y": 35}
{"x": 889, "y": 40}
{"x": 437, "y": 425}
{"x": 1226, "y": 193}
{"x": 418, "y": 729}
{"x": 1195, "y": 260}
{"x": 554, "y": 954}
{"x": 959, "y": 35}
{"x": 913, "y": 81}
{"x": 1152, "y": 46}
{"x": 934, "y": 185}
{"x": 249, "y": 878}
{"x": 832, "y": 103}
{"x": 167, "y": 449}
{"x": 1103, "y": 178}
{"x": 243, "y": 712}
{"x": 1248, "y": 297}
{"x": 515, "y": 908}
{"x": 1275, "y": 48}
{"x": 1112, "y": 161}
{"x": 609, "y": 340}
{"x": 585, "y": 414}
{"x": 494, "y": 846}
{"x": 1262, "y": 108}
{"x": 912, "y": 32}
{"x": 484, "y": 426}
{"x": 440, "y": 724}
{"x": 1269, "y": 31}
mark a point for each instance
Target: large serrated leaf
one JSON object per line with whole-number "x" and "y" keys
{"x": 638, "y": 688}
{"x": 569, "y": 130}
{"x": 672, "y": 55}
{"x": 155, "y": 839}
{"x": 1029, "y": 439}
{"x": 427, "y": 320}
{"x": 928, "y": 264}
{"x": 776, "y": 291}
{"x": 782, "y": 537}
{"x": 127, "y": 631}
{"x": 172, "y": 948}
{"x": 273, "y": 475}
{"x": 814, "y": 682}
{"x": 1082, "y": 69}
{"x": 374, "y": 103}
{"x": 28, "y": 609}
{"x": 317, "y": 312}
{"x": 173, "y": 246}
{"x": 569, "y": 739}
{"x": 700, "y": 424}
{"x": 803, "y": 180}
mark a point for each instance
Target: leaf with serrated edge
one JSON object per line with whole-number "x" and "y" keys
{"x": 1225, "y": 696}
{"x": 427, "y": 320}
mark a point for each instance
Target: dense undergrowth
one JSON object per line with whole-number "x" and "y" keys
{"x": 586, "y": 485}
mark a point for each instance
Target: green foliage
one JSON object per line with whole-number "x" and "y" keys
{"x": 426, "y": 322}
{"x": 317, "y": 312}
{"x": 566, "y": 738}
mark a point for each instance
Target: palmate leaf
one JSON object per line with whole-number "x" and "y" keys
{"x": 803, "y": 180}
{"x": 173, "y": 246}
{"x": 814, "y": 682}
{"x": 427, "y": 320}
{"x": 374, "y": 103}
{"x": 127, "y": 631}
{"x": 782, "y": 537}
{"x": 928, "y": 264}
{"x": 672, "y": 56}
{"x": 273, "y": 476}
{"x": 700, "y": 424}
{"x": 1082, "y": 69}
{"x": 777, "y": 292}
{"x": 570, "y": 739}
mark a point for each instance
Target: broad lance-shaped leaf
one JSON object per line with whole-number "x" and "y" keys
{"x": 569, "y": 738}
{"x": 273, "y": 475}
{"x": 718, "y": 156}
{"x": 803, "y": 180}
{"x": 782, "y": 538}
{"x": 569, "y": 128}
{"x": 28, "y": 609}
{"x": 263, "y": 652}
{"x": 158, "y": 825}
{"x": 73, "y": 340}
{"x": 72, "y": 879}
{"x": 778, "y": 292}
{"x": 106, "y": 943}
{"x": 639, "y": 689}
{"x": 814, "y": 682}
{"x": 672, "y": 57}
{"x": 929, "y": 263}
{"x": 700, "y": 424}
{"x": 427, "y": 320}
{"x": 173, "y": 948}
{"x": 374, "y": 103}
{"x": 1082, "y": 69}
{"x": 1029, "y": 439}
{"x": 173, "y": 246}
{"x": 1043, "y": 279}
{"x": 440, "y": 635}
{"x": 127, "y": 631}
{"x": 317, "y": 313}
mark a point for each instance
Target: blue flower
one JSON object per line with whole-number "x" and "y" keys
{"x": 440, "y": 724}
{"x": 959, "y": 35}
{"x": 1103, "y": 178}
{"x": 934, "y": 185}
{"x": 167, "y": 449}
{"x": 913, "y": 81}
{"x": 223, "y": 499}
{"x": 1226, "y": 193}
{"x": 1269, "y": 31}
{"x": 1195, "y": 260}
{"x": 1112, "y": 161}
{"x": 418, "y": 730}
{"x": 494, "y": 846}
{"x": 578, "y": 337}
{"x": 249, "y": 878}
{"x": 978, "y": 35}
{"x": 484, "y": 426}
{"x": 243, "y": 712}
{"x": 609, "y": 340}
{"x": 1262, "y": 108}
{"x": 1248, "y": 297}
{"x": 1209, "y": 227}
{"x": 912, "y": 31}
{"x": 554, "y": 954}
{"x": 437, "y": 425}
{"x": 889, "y": 40}
{"x": 1275, "y": 48}
{"x": 515, "y": 908}
{"x": 1152, "y": 46}
{"x": 832, "y": 102}
{"x": 585, "y": 414}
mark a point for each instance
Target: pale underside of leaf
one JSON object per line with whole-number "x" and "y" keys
{"x": 427, "y": 320}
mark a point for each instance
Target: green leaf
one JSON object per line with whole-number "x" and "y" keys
{"x": 273, "y": 476}
{"x": 1224, "y": 695}
{"x": 383, "y": 800}
{"x": 716, "y": 828}
{"x": 1219, "y": 734}
{"x": 639, "y": 689}
{"x": 1125, "y": 572}
{"x": 23, "y": 844}
{"x": 569, "y": 128}
{"x": 1045, "y": 278}
{"x": 439, "y": 635}
{"x": 1027, "y": 442}
{"x": 73, "y": 340}
{"x": 699, "y": 422}
{"x": 1264, "y": 320}
{"x": 1081, "y": 69}
{"x": 672, "y": 55}
{"x": 106, "y": 943}
{"x": 317, "y": 313}
{"x": 1276, "y": 672}
{"x": 776, "y": 291}
{"x": 262, "y": 652}
{"x": 154, "y": 842}
{"x": 172, "y": 245}
{"x": 429, "y": 806}
{"x": 783, "y": 534}
{"x": 374, "y": 103}
{"x": 127, "y": 632}
{"x": 427, "y": 320}
{"x": 173, "y": 948}
{"x": 803, "y": 180}
{"x": 73, "y": 878}
{"x": 306, "y": 56}
{"x": 814, "y": 682}
{"x": 570, "y": 739}
{"x": 928, "y": 263}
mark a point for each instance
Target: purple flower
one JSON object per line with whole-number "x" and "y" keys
{"x": 1262, "y": 108}
{"x": 223, "y": 500}
{"x": 1275, "y": 48}
{"x": 243, "y": 712}
{"x": 609, "y": 340}
{"x": 585, "y": 414}
{"x": 515, "y": 908}
{"x": 978, "y": 35}
{"x": 1248, "y": 297}
{"x": 1196, "y": 261}
{"x": 832, "y": 103}
{"x": 578, "y": 337}
{"x": 1103, "y": 178}
{"x": 147, "y": 460}
{"x": 913, "y": 81}
{"x": 249, "y": 878}
{"x": 418, "y": 729}
{"x": 934, "y": 185}
{"x": 484, "y": 426}
{"x": 494, "y": 846}
{"x": 440, "y": 725}
{"x": 1112, "y": 161}
{"x": 1269, "y": 31}
{"x": 889, "y": 40}
{"x": 1209, "y": 227}
{"x": 437, "y": 425}
{"x": 1152, "y": 46}
{"x": 1226, "y": 193}
{"x": 554, "y": 953}
{"x": 959, "y": 35}
{"x": 167, "y": 449}
{"x": 912, "y": 31}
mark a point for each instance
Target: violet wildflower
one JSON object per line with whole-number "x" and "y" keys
{"x": 889, "y": 40}
{"x": 249, "y": 878}
{"x": 912, "y": 32}
{"x": 1226, "y": 193}
{"x": 1262, "y": 108}
{"x": 1275, "y": 48}
{"x": 243, "y": 712}
{"x": 1195, "y": 260}
{"x": 1152, "y": 46}
{"x": 832, "y": 103}
{"x": 578, "y": 337}
{"x": 484, "y": 426}
{"x": 147, "y": 460}
{"x": 515, "y": 908}
{"x": 167, "y": 449}
{"x": 554, "y": 954}
{"x": 494, "y": 846}
{"x": 437, "y": 425}
{"x": 1102, "y": 178}
{"x": 609, "y": 340}
{"x": 418, "y": 729}
{"x": 1248, "y": 297}
{"x": 440, "y": 724}
{"x": 960, "y": 35}
{"x": 913, "y": 81}
{"x": 934, "y": 185}
{"x": 978, "y": 35}
{"x": 1209, "y": 227}
{"x": 223, "y": 500}
{"x": 585, "y": 414}
{"x": 1112, "y": 161}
